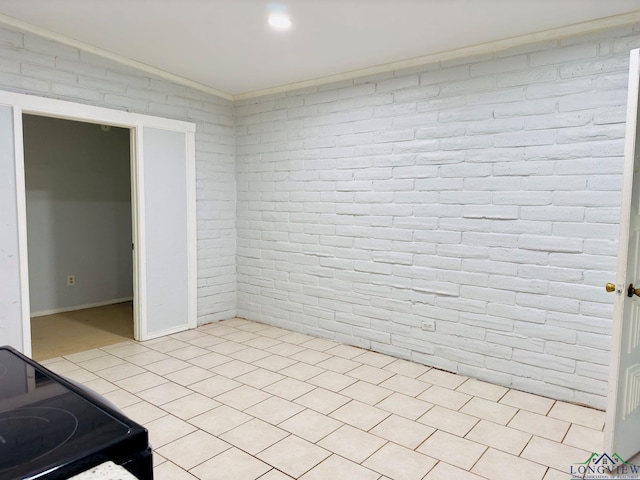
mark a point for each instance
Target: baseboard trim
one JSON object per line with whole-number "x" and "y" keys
{"x": 73, "y": 308}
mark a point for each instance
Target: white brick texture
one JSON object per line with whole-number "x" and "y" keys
{"x": 36, "y": 66}
{"x": 482, "y": 194}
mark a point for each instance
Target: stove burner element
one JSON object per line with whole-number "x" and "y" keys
{"x": 30, "y": 433}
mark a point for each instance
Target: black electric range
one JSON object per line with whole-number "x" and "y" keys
{"x": 52, "y": 428}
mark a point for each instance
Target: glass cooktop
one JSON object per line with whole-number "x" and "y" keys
{"x": 47, "y": 422}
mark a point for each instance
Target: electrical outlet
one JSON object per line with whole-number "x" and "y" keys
{"x": 429, "y": 325}
{"x": 71, "y": 280}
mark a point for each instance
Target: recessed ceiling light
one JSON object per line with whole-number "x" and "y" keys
{"x": 279, "y": 21}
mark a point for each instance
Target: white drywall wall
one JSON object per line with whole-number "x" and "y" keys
{"x": 78, "y": 187}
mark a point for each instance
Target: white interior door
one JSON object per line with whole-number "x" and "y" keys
{"x": 166, "y": 268}
{"x": 622, "y": 429}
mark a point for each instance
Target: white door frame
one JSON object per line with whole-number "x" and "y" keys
{"x": 30, "y": 104}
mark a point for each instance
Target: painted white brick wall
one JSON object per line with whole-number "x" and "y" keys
{"x": 482, "y": 194}
{"x": 33, "y": 65}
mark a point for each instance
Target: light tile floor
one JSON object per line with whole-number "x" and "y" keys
{"x": 239, "y": 400}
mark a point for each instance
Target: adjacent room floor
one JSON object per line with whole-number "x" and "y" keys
{"x": 242, "y": 400}
{"x": 71, "y": 332}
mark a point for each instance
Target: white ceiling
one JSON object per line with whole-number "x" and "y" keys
{"x": 227, "y": 45}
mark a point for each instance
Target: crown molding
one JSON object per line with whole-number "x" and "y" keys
{"x": 480, "y": 49}
{"x": 158, "y": 72}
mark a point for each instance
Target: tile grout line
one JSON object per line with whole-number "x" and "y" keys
{"x": 389, "y": 413}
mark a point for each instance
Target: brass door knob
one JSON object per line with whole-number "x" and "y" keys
{"x": 610, "y": 287}
{"x": 631, "y": 291}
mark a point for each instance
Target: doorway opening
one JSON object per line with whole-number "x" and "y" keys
{"x": 163, "y": 190}
{"x": 79, "y": 234}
